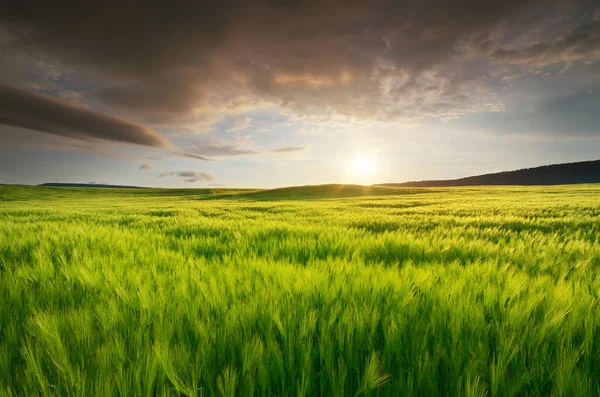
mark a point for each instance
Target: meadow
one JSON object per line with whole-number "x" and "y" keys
{"x": 310, "y": 291}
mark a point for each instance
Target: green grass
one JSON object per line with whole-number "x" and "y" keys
{"x": 328, "y": 290}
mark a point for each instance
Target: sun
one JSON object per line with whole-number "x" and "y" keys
{"x": 362, "y": 166}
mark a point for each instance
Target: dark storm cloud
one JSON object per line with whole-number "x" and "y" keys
{"x": 169, "y": 64}
{"x": 21, "y": 108}
{"x": 383, "y": 60}
{"x": 190, "y": 176}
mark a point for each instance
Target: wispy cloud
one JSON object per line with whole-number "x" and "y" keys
{"x": 220, "y": 148}
{"x": 240, "y": 125}
{"x": 190, "y": 176}
{"x": 288, "y": 149}
{"x": 242, "y": 146}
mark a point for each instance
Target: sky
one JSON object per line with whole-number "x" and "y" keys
{"x": 270, "y": 93}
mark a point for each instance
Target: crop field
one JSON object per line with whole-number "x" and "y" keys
{"x": 330, "y": 290}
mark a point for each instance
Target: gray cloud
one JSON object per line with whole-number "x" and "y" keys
{"x": 581, "y": 43}
{"x": 288, "y": 149}
{"x": 193, "y": 156}
{"x": 240, "y": 147}
{"x": 190, "y": 176}
{"x": 30, "y": 139}
{"x": 21, "y": 108}
{"x": 145, "y": 167}
{"x": 218, "y": 149}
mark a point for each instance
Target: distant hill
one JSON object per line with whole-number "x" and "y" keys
{"x": 89, "y": 185}
{"x": 556, "y": 174}
{"x": 318, "y": 192}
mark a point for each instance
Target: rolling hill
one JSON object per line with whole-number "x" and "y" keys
{"x": 97, "y": 185}
{"x": 556, "y": 174}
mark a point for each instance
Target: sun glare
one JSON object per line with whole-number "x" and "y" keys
{"x": 362, "y": 166}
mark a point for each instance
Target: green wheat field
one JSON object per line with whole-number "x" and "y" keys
{"x": 333, "y": 290}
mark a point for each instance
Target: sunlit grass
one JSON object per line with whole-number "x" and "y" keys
{"x": 369, "y": 291}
